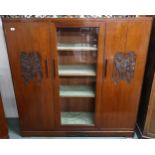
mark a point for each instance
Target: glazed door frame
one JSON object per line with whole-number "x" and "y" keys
{"x": 99, "y": 76}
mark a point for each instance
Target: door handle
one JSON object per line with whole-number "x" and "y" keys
{"x": 46, "y": 68}
{"x": 105, "y": 67}
{"x": 53, "y": 67}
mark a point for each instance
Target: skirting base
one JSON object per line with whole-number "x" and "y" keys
{"x": 78, "y": 133}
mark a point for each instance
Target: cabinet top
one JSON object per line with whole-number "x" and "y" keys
{"x": 76, "y": 22}
{"x": 74, "y": 19}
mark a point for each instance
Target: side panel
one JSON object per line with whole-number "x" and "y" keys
{"x": 149, "y": 129}
{"x": 3, "y": 126}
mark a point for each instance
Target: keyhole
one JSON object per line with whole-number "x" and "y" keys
{"x": 12, "y": 29}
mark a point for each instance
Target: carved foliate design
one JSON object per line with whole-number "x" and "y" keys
{"x": 124, "y": 66}
{"x": 30, "y": 66}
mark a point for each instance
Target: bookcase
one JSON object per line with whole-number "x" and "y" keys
{"x": 77, "y": 76}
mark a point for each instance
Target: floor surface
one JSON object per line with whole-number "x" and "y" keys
{"x": 14, "y": 133}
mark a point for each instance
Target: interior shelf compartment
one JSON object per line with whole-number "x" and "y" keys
{"x": 76, "y": 46}
{"x": 77, "y": 70}
{"x": 77, "y": 118}
{"x": 72, "y": 104}
{"x": 77, "y": 91}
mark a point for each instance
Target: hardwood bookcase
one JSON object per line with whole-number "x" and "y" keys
{"x": 77, "y": 77}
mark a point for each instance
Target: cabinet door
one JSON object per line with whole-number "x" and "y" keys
{"x": 30, "y": 57}
{"x": 126, "y": 46}
{"x": 77, "y": 58}
{"x": 3, "y": 126}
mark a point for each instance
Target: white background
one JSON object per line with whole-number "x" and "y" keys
{"x": 6, "y": 86}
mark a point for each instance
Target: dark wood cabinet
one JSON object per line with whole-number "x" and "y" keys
{"x": 77, "y": 77}
{"x": 3, "y": 124}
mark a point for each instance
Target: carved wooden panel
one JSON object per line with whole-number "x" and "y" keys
{"x": 124, "y": 66}
{"x": 30, "y": 66}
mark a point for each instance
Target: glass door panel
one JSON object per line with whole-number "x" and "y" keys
{"x": 77, "y": 56}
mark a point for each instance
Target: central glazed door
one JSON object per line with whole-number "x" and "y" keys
{"x": 30, "y": 53}
{"x": 126, "y": 46}
{"x": 78, "y": 59}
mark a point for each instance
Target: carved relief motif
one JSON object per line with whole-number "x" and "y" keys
{"x": 124, "y": 66}
{"x": 30, "y": 66}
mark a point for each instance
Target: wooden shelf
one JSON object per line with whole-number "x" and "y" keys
{"x": 83, "y": 47}
{"x": 77, "y": 91}
{"x": 77, "y": 70}
{"x": 77, "y": 118}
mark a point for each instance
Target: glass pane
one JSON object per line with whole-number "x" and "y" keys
{"x": 77, "y": 51}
